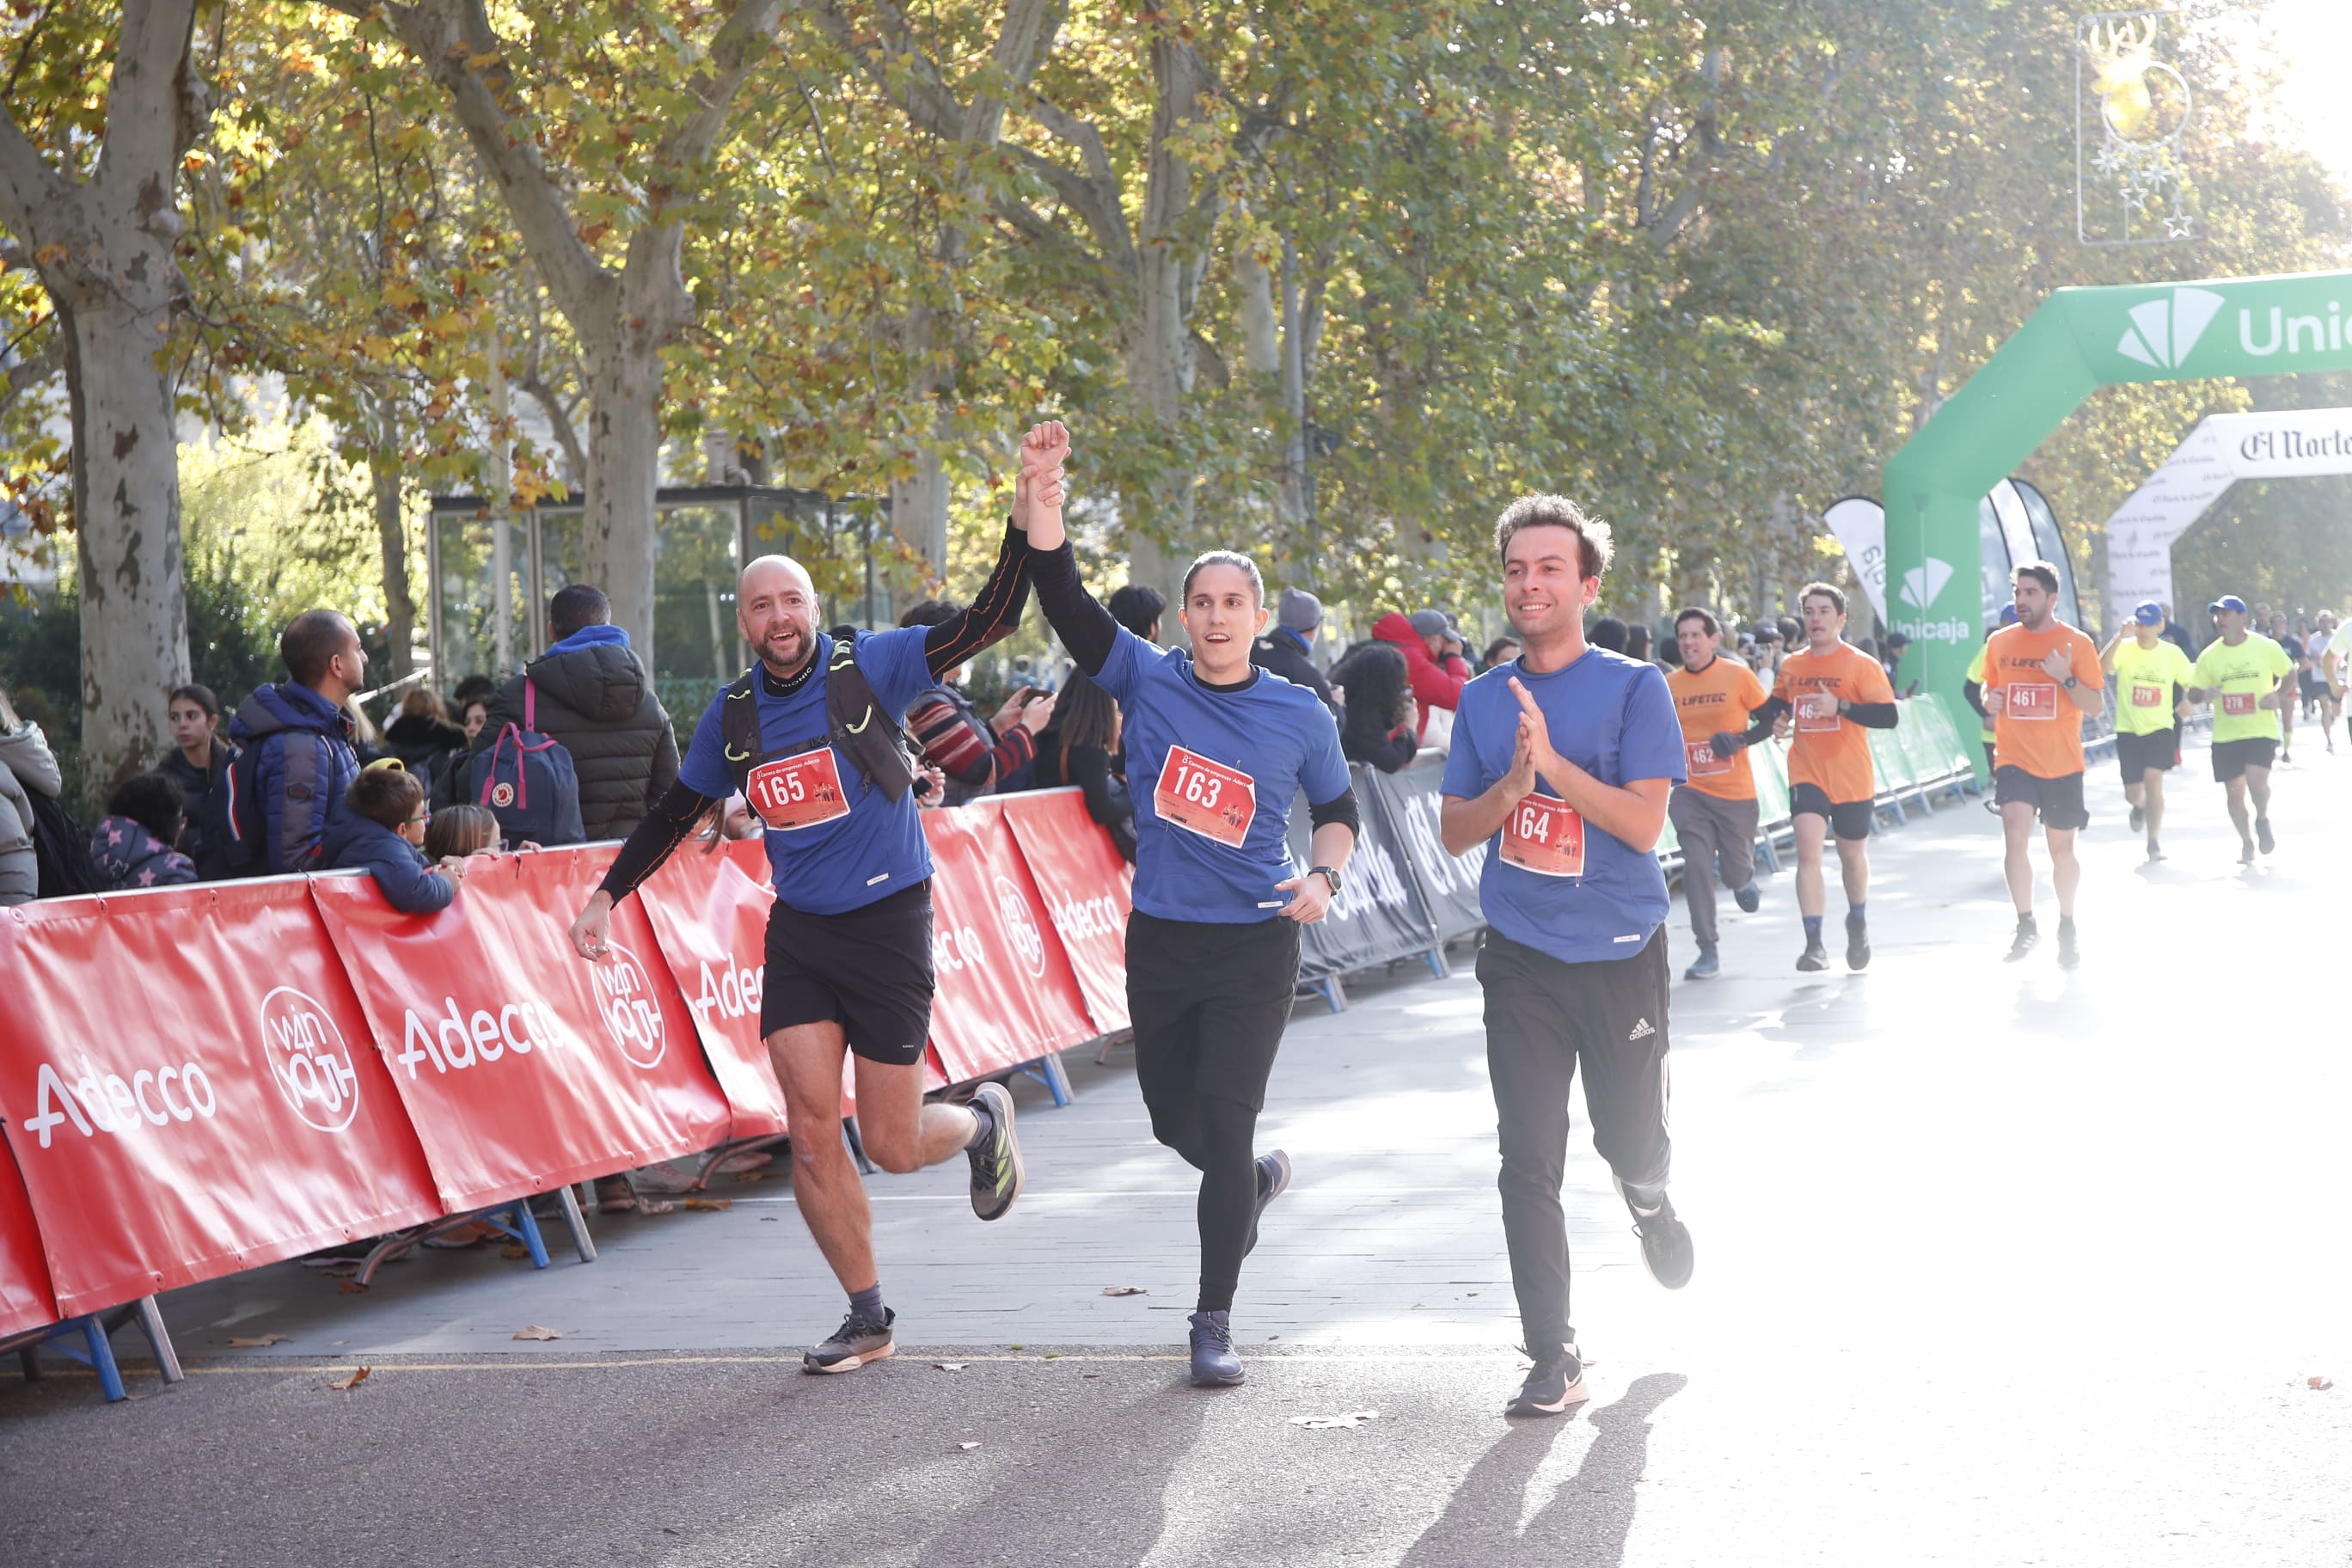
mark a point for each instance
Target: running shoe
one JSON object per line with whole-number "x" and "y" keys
{"x": 1816, "y": 956}
{"x": 2138, "y": 818}
{"x": 859, "y": 1339}
{"x": 1748, "y": 898}
{"x": 1554, "y": 1384}
{"x": 2069, "y": 953}
{"x": 1857, "y": 942}
{"x": 2154, "y": 852}
{"x": 2245, "y": 851}
{"x": 1705, "y": 966}
{"x": 996, "y": 1158}
{"x": 1214, "y": 1365}
{"x": 1666, "y": 1250}
{"x": 2263, "y": 832}
{"x": 2028, "y": 934}
{"x": 1273, "y": 1179}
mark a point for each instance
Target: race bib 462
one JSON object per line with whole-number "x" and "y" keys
{"x": 1205, "y": 797}
{"x": 1546, "y": 837}
{"x": 1700, "y": 760}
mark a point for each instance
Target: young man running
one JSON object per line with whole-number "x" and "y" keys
{"x": 1715, "y": 813}
{"x": 2240, "y": 673}
{"x": 1829, "y": 692}
{"x": 2292, "y": 646}
{"x": 1561, "y": 765}
{"x": 810, "y": 738}
{"x": 2042, "y": 677}
{"x": 1216, "y": 749}
{"x": 2152, "y": 679}
{"x": 2320, "y": 690}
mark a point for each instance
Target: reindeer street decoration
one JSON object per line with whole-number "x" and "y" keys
{"x": 2131, "y": 112}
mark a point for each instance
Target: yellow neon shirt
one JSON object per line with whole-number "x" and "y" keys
{"x": 2144, "y": 680}
{"x": 2239, "y": 678}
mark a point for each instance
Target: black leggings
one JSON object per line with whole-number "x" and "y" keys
{"x": 1210, "y": 1003}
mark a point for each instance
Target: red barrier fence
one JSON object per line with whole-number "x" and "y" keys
{"x": 188, "y": 1088}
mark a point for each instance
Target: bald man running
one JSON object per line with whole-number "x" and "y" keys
{"x": 810, "y": 737}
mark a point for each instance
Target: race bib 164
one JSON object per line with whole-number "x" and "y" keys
{"x": 1546, "y": 837}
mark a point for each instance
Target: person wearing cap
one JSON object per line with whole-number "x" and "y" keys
{"x": 2240, "y": 673}
{"x": 2151, "y": 678}
{"x": 1437, "y": 674}
{"x": 1286, "y": 651}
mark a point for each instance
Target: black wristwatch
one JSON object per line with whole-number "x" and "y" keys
{"x": 1329, "y": 874}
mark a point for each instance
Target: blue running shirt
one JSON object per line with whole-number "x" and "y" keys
{"x": 835, "y": 841}
{"x": 1614, "y": 718}
{"x": 1212, "y": 774}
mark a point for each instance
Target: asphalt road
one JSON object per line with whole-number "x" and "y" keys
{"x": 1998, "y": 1264}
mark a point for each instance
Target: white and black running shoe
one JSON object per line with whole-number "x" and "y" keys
{"x": 996, "y": 1171}
{"x": 859, "y": 1341}
{"x": 1554, "y": 1386}
{"x": 1666, "y": 1250}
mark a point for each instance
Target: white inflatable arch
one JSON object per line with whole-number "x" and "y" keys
{"x": 2294, "y": 443}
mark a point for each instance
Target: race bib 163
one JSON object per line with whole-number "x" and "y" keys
{"x": 1205, "y": 797}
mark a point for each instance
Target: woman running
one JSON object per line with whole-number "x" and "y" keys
{"x": 1215, "y": 750}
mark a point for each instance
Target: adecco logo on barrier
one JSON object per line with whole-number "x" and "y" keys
{"x": 110, "y": 1103}
{"x": 625, "y": 998}
{"x": 1020, "y": 927}
{"x": 457, "y": 1040}
{"x": 734, "y": 992}
{"x": 1081, "y": 919}
{"x": 308, "y": 1059}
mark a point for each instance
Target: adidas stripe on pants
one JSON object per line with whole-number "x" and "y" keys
{"x": 1543, "y": 1018}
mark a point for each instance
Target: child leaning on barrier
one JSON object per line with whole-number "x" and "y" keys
{"x": 453, "y": 831}
{"x": 380, "y": 828}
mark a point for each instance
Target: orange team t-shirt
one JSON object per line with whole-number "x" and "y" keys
{"x": 1720, "y": 697}
{"x": 1828, "y": 753}
{"x": 2039, "y": 729}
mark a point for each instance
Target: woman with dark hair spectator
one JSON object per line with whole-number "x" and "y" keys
{"x": 132, "y": 844}
{"x": 450, "y": 778}
{"x": 1077, "y": 749}
{"x": 422, "y": 736}
{"x": 1380, "y": 716}
{"x": 1607, "y": 632}
{"x": 199, "y": 757}
{"x": 1637, "y": 641}
{"x": 1501, "y": 651}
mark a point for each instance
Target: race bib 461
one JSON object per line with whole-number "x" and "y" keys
{"x": 797, "y": 791}
{"x": 1546, "y": 837}
{"x": 2032, "y": 699}
{"x": 1205, "y": 797}
{"x": 1817, "y": 712}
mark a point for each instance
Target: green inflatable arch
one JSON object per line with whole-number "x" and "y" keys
{"x": 2079, "y": 340}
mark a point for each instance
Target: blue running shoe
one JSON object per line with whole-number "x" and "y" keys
{"x": 1214, "y": 1365}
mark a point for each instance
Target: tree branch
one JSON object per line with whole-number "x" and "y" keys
{"x": 28, "y": 186}
{"x": 35, "y": 368}
{"x": 156, "y": 105}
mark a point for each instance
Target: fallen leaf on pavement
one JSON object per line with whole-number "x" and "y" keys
{"x": 755, "y": 1175}
{"x": 341, "y": 1271}
{"x": 967, "y": 1448}
{"x": 534, "y": 1331}
{"x": 514, "y": 1252}
{"x": 2307, "y": 1382}
{"x": 1125, "y": 1291}
{"x": 709, "y": 1205}
{"x": 345, "y": 1385}
{"x": 947, "y": 1366}
{"x": 656, "y": 1205}
{"x": 1325, "y": 1423}
{"x": 351, "y": 1288}
{"x": 258, "y": 1342}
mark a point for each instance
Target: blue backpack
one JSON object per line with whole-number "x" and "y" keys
{"x": 529, "y": 782}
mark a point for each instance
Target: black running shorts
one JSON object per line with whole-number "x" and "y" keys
{"x": 2136, "y": 755}
{"x": 869, "y": 971}
{"x": 2232, "y": 758}
{"x": 2058, "y": 802}
{"x": 1848, "y": 818}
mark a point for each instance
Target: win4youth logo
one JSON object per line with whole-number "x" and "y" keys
{"x": 1924, "y": 581}
{"x": 2162, "y": 331}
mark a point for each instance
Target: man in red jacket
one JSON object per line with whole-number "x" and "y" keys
{"x": 1433, "y": 657}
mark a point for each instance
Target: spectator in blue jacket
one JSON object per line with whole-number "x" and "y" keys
{"x": 132, "y": 844}
{"x": 306, "y": 762}
{"x": 381, "y": 829}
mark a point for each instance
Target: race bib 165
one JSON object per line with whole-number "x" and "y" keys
{"x": 796, "y": 792}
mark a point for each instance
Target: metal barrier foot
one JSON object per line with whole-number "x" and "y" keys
{"x": 856, "y": 1145}
{"x": 1047, "y": 1069}
{"x": 577, "y": 1221}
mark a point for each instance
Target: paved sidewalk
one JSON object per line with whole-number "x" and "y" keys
{"x": 1996, "y": 1264}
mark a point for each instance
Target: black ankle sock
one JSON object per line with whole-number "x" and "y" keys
{"x": 987, "y": 1127}
{"x": 868, "y": 1304}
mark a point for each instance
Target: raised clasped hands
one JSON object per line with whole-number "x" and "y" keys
{"x": 1535, "y": 734}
